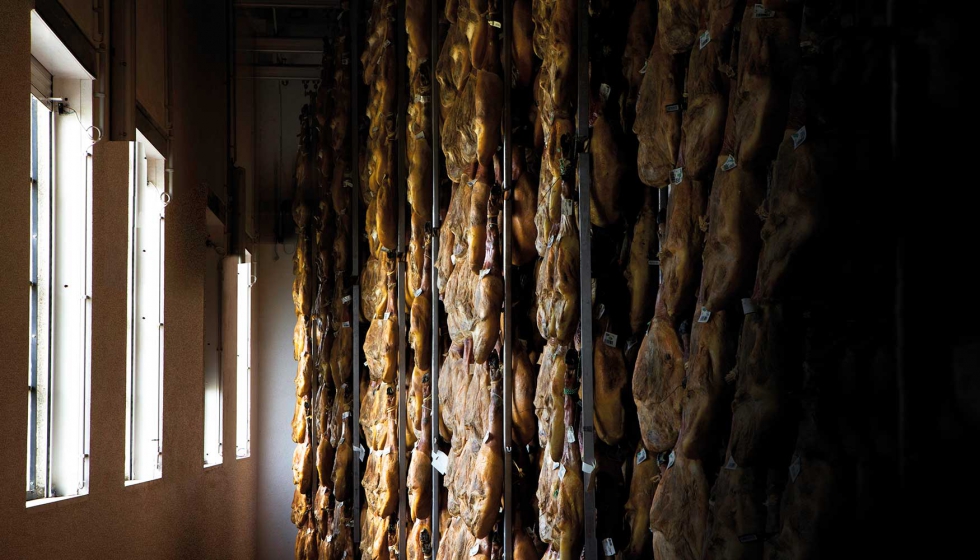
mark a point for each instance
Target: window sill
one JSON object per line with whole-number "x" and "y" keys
{"x": 44, "y": 504}
{"x": 144, "y": 482}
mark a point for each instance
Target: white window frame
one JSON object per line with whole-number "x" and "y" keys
{"x": 214, "y": 297}
{"x": 145, "y": 351}
{"x": 243, "y": 425}
{"x": 59, "y": 377}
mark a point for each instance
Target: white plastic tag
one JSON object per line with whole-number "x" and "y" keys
{"x": 420, "y": 136}
{"x": 484, "y": 272}
{"x": 495, "y": 24}
{"x": 360, "y": 452}
{"x": 440, "y": 461}
{"x": 486, "y": 437}
{"x": 555, "y": 465}
{"x": 704, "y": 40}
{"x": 608, "y": 548}
{"x": 670, "y": 459}
{"x": 567, "y": 207}
{"x": 570, "y": 435}
{"x": 673, "y": 107}
{"x": 730, "y": 465}
{"x": 346, "y": 299}
{"x": 641, "y": 456}
{"x": 644, "y": 69}
{"x": 654, "y": 262}
{"x": 329, "y": 538}
{"x": 345, "y": 415}
{"x": 346, "y": 324}
{"x": 748, "y": 306}
{"x": 418, "y": 292}
{"x": 729, "y": 163}
{"x": 385, "y": 451}
{"x": 799, "y": 137}
{"x": 794, "y": 468}
{"x": 676, "y": 175}
{"x": 760, "y": 12}
{"x": 561, "y": 472}
{"x": 610, "y": 339}
{"x": 602, "y": 311}
{"x": 587, "y": 468}
{"x": 605, "y": 91}
{"x": 387, "y": 315}
{"x": 705, "y": 315}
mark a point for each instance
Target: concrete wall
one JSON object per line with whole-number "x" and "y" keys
{"x": 190, "y": 512}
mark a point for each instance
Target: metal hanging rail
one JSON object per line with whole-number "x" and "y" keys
{"x": 508, "y": 235}
{"x": 355, "y": 238}
{"x": 401, "y": 62}
{"x": 434, "y": 105}
{"x": 585, "y": 279}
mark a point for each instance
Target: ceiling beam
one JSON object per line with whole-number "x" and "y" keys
{"x": 326, "y": 4}
{"x": 284, "y": 72}
{"x": 283, "y": 45}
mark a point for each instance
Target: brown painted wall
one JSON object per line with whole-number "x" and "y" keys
{"x": 151, "y": 72}
{"x": 189, "y": 513}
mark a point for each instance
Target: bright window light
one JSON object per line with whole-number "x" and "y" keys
{"x": 144, "y": 403}
{"x": 244, "y": 354}
{"x": 60, "y": 286}
{"x": 213, "y": 406}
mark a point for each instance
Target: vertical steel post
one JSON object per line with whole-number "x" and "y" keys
{"x": 401, "y": 185}
{"x": 434, "y": 272}
{"x": 508, "y": 232}
{"x": 355, "y": 238}
{"x": 585, "y": 278}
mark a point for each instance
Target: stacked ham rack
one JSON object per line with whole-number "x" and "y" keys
{"x": 611, "y": 201}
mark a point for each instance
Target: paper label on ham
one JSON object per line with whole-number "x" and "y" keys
{"x": 561, "y": 472}
{"x": 673, "y": 107}
{"x": 440, "y": 461}
{"x": 484, "y": 272}
{"x": 346, "y": 324}
{"x": 794, "y": 468}
{"x": 587, "y": 468}
{"x": 748, "y": 307}
{"x": 730, "y": 465}
{"x": 670, "y": 459}
{"x": 641, "y": 456}
{"x": 570, "y": 435}
{"x": 604, "y": 91}
{"x": 556, "y": 465}
{"x": 799, "y": 137}
{"x": 705, "y": 39}
{"x": 567, "y": 207}
{"x": 602, "y": 311}
{"x": 388, "y": 315}
{"x": 360, "y": 452}
{"x": 608, "y": 547}
{"x": 705, "y": 315}
{"x": 676, "y": 176}
{"x": 345, "y": 415}
{"x": 475, "y": 550}
{"x": 346, "y": 299}
{"x": 654, "y": 262}
{"x": 496, "y": 24}
{"x": 729, "y": 163}
{"x": 486, "y": 438}
{"x": 760, "y": 12}
{"x": 418, "y": 292}
{"x": 610, "y": 339}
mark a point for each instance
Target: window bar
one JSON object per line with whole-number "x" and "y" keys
{"x": 585, "y": 279}
{"x": 401, "y": 185}
{"x": 434, "y": 272}
{"x": 355, "y": 240}
{"x": 32, "y": 421}
{"x": 508, "y": 234}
